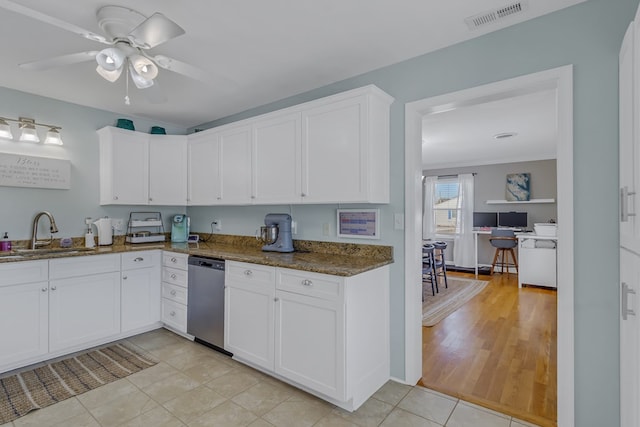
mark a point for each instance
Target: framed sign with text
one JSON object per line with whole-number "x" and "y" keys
{"x": 18, "y": 170}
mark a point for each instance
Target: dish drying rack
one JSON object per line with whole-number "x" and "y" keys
{"x": 145, "y": 227}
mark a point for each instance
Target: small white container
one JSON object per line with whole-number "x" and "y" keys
{"x": 545, "y": 229}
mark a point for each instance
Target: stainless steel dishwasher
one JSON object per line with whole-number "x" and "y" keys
{"x": 205, "y": 303}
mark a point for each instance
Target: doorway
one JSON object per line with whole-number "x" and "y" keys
{"x": 559, "y": 79}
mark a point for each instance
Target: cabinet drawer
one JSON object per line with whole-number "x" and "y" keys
{"x": 174, "y": 276}
{"x": 249, "y": 273}
{"x": 174, "y": 315}
{"x": 175, "y": 260}
{"x": 312, "y": 284}
{"x": 83, "y": 266}
{"x": 13, "y": 273}
{"x": 174, "y": 293}
{"x": 140, "y": 259}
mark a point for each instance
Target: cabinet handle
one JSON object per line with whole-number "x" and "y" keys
{"x": 624, "y": 204}
{"x": 303, "y": 194}
{"x": 138, "y": 259}
{"x": 174, "y": 260}
{"x": 150, "y": 199}
{"x": 115, "y": 197}
{"x": 173, "y": 292}
{"x": 173, "y": 313}
{"x": 276, "y": 299}
{"x": 44, "y": 289}
{"x": 218, "y": 197}
{"x": 307, "y": 282}
{"x": 173, "y": 276}
{"x": 124, "y": 277}
{"x": 53, "y": 288}
{"x": 626, "y": 290}
{"x": 248, "y": 273}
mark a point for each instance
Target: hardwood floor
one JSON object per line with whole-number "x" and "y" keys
{"x": 498, "y": 351}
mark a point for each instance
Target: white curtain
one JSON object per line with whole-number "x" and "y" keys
{"x": 463, "y": 248}
{"x": 428, "y": 217}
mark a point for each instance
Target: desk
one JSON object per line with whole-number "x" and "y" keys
{"x": 538, "y": 262}
{"x": 475, "y": 241}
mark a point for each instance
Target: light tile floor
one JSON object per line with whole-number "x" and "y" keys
{"x": 193, "y": 385}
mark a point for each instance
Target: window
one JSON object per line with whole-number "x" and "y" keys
{"x": 446, "y": 208}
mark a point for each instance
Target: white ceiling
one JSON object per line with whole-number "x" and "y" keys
{"x": 255, "y": 51}
{"x": 465, "y": 136}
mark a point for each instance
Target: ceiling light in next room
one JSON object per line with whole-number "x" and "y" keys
{"x": 504, "y": 135}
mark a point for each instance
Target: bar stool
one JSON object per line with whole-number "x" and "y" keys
{"x": 504, "y": 241}
{"x": 440, "y": 264}
{"x": 428, "y": 269}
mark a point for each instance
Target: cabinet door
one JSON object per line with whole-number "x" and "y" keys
{"x": 24, "y": 314}
{"x": 310, "y": 342}
{"x": 629, "y": 339}
{"x": 276, "y": 160}
{"x": 235, "y": 166}
{"x": 168, "y": 170}
{"x": 249, "y": 312}
{"x": 124, "y": 167}
{"x": 140, "y": 298}
{"x": 334, "y": 153}
{"x": 204, "y": 169}
{"x": 83, "y": 309}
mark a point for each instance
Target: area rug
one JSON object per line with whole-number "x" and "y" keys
{"x": 56, "y": 381}
{"x": 460, "y": 290}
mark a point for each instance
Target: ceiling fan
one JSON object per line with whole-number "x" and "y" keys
{"x": 129, "y": 35}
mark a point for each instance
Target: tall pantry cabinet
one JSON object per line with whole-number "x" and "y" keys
{"x": 629, "y": 169}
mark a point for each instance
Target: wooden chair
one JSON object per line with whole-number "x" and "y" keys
{"x": 504, "y": 240}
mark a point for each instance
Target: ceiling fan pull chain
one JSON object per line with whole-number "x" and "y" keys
{"x": 126, "y": 96}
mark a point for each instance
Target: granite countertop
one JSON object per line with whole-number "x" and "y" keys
{"x": 337, "y": 259}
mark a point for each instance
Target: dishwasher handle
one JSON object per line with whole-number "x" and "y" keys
{"x": 215, "y": 264}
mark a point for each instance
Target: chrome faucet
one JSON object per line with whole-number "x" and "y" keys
{"x": 34, "y": 230}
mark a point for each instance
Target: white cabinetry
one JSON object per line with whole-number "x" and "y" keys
{"x": 141, "y": 169}
{"x": 167, "y": 170}
{"x": 24, "y": 311}
{"x": 174, "y": 291}
{"x": 629, "y": 167}
{"x": 326, "y": 334}
{"x": 249, "y": 312}
{"x": 203, "y": 169}
{"x": 140, "y": 293}
{"x": 84, "y": 300}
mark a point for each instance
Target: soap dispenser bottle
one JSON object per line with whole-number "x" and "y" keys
{"x": 89, "y": 240}
{"x": 5, "y": 243}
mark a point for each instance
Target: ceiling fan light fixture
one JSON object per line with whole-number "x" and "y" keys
{"x": 111, "y": 58}
{"x": 53, "y": 136}
{"x": 28, "y": 130}
{"x": 111, "y": 76}
{"x": 138, "y": 80}
{"x": 144, "y": 67}
{"x": 5, "y": 129}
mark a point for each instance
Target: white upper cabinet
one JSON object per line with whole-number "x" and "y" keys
{"x": 141, "y": 169}
{"x": 235, "y": 166}
{"x": 167, "y": 170}
{"x": 203, "y": 168}
{"x": 124, "y": 167}
{"x": 276, "y": 160}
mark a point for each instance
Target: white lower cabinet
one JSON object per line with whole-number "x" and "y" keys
{"x": 24, "y": 311}
{"x": 328, "y": 335}
{"x": 174, "y": 291}
{"x": 140, "y": 298}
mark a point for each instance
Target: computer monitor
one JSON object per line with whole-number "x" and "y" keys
{"x": 485, "y": 219}
{"x": 512, "y": 219}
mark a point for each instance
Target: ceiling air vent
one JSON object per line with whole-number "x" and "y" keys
{"x": 496, "y": 15}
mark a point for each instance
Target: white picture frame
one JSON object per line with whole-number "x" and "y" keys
{"x": 358, "y": 223}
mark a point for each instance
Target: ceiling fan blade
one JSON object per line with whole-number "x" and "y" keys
{"x": 34, "y": 14}
{"x": 155, "y": 30}
{"x": 192, "y": 72}
{"x": 59, "y": 61}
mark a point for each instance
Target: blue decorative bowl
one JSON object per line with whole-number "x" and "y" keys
{"x": 125, "y": 124}
{"x": 157, "y": 130}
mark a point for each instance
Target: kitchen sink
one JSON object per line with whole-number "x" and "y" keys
{"x": 25, "y": 253}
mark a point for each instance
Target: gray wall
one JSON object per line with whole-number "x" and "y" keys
{"x": 587, "y": 35}
{"x": 489, "y": 184}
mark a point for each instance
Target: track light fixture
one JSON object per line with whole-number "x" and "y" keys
{"x": 28, "y": 132}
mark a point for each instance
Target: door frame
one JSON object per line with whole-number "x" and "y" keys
{"x": 561, "y": 79}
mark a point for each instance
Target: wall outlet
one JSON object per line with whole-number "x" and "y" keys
{"x": 326, "y": 229}
{"x": 118, "y": 225}
{"x": 217, "y": 224}
{"x": 294, "y": 227}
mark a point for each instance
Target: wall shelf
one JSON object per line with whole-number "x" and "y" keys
{"x": 510, "y": 202}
